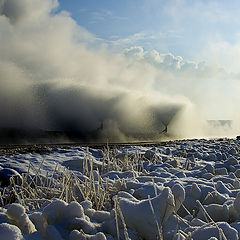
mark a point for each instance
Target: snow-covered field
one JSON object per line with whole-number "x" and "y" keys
{"x": 185, "y": 189}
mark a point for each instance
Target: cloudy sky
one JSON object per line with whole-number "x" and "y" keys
{"x": 183, "y": 27}
{"x": 201, "y": 35}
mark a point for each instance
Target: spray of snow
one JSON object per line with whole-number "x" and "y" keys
{"x": 55, "y": 76}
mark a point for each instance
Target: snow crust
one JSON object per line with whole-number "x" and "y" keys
{"x": 187, "y": 189}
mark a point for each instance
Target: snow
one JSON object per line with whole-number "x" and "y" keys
{"x": 17, "y": 216}
{"x": 186, "y": 189}
{"x": 8, "y": 231}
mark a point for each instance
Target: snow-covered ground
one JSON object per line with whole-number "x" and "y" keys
{"x": 185, "y": 189}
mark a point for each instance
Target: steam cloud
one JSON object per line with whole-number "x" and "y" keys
{"x": 53, "y": 77}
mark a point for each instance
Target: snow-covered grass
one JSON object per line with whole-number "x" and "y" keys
{"x": 187, "y": 189}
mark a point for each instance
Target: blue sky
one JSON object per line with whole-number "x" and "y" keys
{"x": 182, "y": 27}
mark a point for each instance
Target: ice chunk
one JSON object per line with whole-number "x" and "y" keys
{"x": 100, "y": 216}
{"x": 211, "y": 230}
{"x": 74, "y": 209}
{"x": 195, "y": 191}
{"x": 82, "y": 224}
{"x": 86, "y": 204}
{"x": 76, "y": 235}
{"x": 179, "y": 195}
{"x": 144, "y": 218}
{"x": 54, "y": 211}
{"x": 236, "y": 204}
{"x": 52, "y": 233}
{"x": 15, "y": 211}
{"x": 39, "y": 222}
{"x": 217, "y": 212}
{"x": 16, "y": 214}
{"x": 10, "y": 232}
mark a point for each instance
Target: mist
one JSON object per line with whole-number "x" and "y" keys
{"x": 56, "y": 76}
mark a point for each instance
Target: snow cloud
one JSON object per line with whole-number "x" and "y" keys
{"x": 54, "y": 75}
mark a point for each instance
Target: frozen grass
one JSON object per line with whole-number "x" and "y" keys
{"x": 32, "y": 190}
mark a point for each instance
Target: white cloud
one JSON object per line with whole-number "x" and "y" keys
{"x": 164, "y": 61}
{"x": 223, "y": 54}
